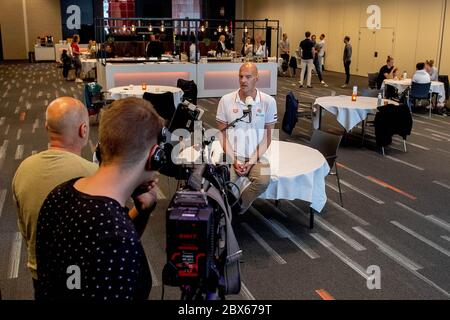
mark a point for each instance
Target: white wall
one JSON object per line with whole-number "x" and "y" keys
{"x": 43, "y": 17}
{"x": 417, "y": 25}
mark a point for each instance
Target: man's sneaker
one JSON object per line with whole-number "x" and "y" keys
{"x": 300, "y": 86}
{"x": 344, "y": 86}
{"x": 309, "y": 87}
{"x": 324, "y": 84}
{"x": 78, "y": 80}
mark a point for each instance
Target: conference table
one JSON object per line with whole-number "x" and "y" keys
{"x": 137, "y": 91}
{"x": 347, "y": 112}
{"x": 296, "y": 172}
{"x": 87, "y": 65}
{"x": 401, "y": 85}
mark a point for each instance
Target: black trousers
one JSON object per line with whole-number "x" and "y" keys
{"x": 66, "y": 69}
{"x": 347, "y": 71}
{"x": 285, "y": 57}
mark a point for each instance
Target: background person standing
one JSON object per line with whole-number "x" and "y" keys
{"x": 307, "y": 49}
{"x": 284, "y": 47}
{"x": 321, "y": 45}
{"x": 347, "y": 60}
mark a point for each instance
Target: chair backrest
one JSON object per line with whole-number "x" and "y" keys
{"x": 373, "y": 77}
{"x": 189, "y": 90}
{"x": 162, "y": 102}
{"x": 420, "y": 90}
{"x": 369, "y": 92}
{"x": 444, "y": 80}
{"x": 92, "y": 93}
{"x": 87, "y": 97}
{"x": 327, "y": 144}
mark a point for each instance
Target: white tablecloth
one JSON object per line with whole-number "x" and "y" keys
{"x": 401, "y": 85}
{"x": 87, "y": 65}
{"x": 347, "y": 112}
{"x": 136, "y": 91}
{"x": 297, "y": 172}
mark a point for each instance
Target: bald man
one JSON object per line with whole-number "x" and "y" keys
{"x": 67, "y": 125}
{"x": 246, "y": 143}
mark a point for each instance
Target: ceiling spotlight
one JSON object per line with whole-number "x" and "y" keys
{"x": 219, "y": 29}
{"x": 133, "y": 28}
{"x": 162, "y": 26}
{"x": 245, "y": 29}
{"x": 150, "y": 28}
{"x": 124, "y": 28}
{"x": 202, "y": 28}
{"x": 226, "y": 28}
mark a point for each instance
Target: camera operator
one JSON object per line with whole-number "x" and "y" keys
{"x": 84, "y": 222}
{"x": 245, "y": 144}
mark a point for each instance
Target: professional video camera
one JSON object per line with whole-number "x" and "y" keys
{"x": 202, "y": 251}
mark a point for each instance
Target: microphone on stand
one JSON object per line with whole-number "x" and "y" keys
{"x": 249, "y": 102}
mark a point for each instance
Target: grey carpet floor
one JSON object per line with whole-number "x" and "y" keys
{"x": 396, "y": 216}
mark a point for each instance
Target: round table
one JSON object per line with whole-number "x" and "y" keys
{"x": 401, "y": 85}
{"x": 87, "y": 65}
{"x": 296, "y": 171}
{"x": 136, "y": 91}
{"x": 347, "y": 112}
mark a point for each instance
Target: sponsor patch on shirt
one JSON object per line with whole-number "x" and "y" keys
{"x": 259, "y": 113}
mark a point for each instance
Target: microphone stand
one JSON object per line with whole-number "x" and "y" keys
{"x": 230, "y": 125}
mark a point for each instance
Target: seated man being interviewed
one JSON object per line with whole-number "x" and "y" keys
{"x": 247, "y": 142}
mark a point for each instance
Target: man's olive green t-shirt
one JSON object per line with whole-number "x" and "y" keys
{"x": 35, "y": 178}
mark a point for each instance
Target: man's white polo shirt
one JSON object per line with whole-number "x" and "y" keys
{"x": 421, "y": 76}
{"x": 245, "y": 137}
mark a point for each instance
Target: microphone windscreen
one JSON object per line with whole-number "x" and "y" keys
{"x": 249, "y": 101}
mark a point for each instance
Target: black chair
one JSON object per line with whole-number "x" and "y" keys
{"x": 368, "y": 93}
{"x": 189, "y": 90}
{"x": 94, "y": 98}
{"x": 420, "y": 91}
{"x": 295, "y": 109}
{"x": 328, "y": 145}
{"x": 444, "y": 80}
{"x": 390, "y": 120}
{"x": 162, "y": 102}
{"x": 373, "y": 77}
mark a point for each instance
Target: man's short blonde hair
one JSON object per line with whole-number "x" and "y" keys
{"x": 128, "y": 130}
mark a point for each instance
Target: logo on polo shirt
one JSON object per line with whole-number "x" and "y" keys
{"x": 259, "y": 112}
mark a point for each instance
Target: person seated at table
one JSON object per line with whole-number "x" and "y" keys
{"x": 261, "y": 50}
{"x": 387, "y": 71}
{"x": 432, "y": 70}
{"x": 107, "y": 50}
{"x": 154, "y": 47}
{"x": 246, "y": 143}
{"x": 92, "y": 49}
{"x": 421, "y": 75}
{"x": 247, "y": 48}
{"x": 221, "y": 48}
{"x": 193, "y": 50}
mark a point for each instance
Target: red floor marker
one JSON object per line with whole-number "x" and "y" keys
{"x": 324, "y": 295}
